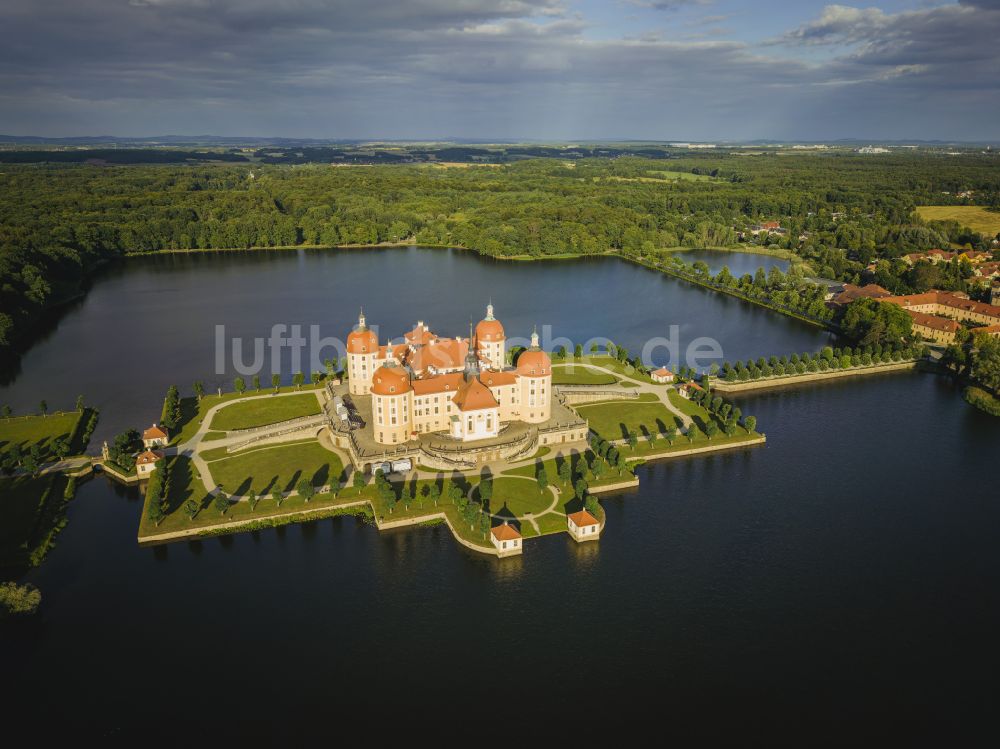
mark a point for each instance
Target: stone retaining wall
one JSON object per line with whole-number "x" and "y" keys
{"x": 736, "y": 387}
{"x": 703, "y": 449}
{"x": 578, "y": 397}
{"x": 617, "y": 486}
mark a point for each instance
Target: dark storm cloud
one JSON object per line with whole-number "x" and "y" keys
{"x": 482, "y": 68}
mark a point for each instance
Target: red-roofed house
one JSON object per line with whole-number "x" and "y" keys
{"x": 155, "y": 436}
{"x": 688, "y": 389}
{"x": 583, "y": 526}
{"x": 506, "y": 539}
{"x": 662, "y": 375}
{"x": 145, "y": 464}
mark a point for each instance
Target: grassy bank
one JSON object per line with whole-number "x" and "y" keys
{"x": 193, "y": 411}
{"x": 45, "y": 431}
{"x": 265, "y": 411}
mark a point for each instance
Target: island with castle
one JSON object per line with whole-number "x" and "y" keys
{"x": 500, "y": 444}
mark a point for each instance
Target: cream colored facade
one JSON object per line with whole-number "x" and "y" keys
{"x": 458, "y": 386}
{"x": 583, "y": 526}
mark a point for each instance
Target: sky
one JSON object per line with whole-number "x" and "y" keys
{"x": 568, "y": 70}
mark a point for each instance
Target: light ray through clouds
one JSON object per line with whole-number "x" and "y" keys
{"x": 503, "y": 69}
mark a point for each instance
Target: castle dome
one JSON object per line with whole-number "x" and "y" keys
{"x": 362, "y": 340}
{"x": 534, "y": 362}
{"x": 390, "y": 381}
{"x": 489, "y": 328}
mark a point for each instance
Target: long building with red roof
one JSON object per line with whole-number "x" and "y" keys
{"x": 937, "y": 315}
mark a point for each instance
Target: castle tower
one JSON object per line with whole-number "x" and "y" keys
{"x": 535, "y": 370}
{"x": 362, "y": 349}
{"x": 491, "y": 341}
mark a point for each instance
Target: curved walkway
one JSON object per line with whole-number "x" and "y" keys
{"x": 193, "y": 446}
{"x": 660, "y": 391}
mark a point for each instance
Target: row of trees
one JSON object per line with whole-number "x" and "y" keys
{"x": 810, "y": 362}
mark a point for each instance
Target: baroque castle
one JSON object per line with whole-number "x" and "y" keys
{"x": 461, "y": 387}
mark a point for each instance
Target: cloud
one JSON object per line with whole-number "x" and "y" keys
{"x": 484, "y": 68}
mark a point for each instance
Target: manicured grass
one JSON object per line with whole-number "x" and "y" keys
{"x": 193, "y": 411}
{"x": 616, "y": 419}
{"x": 975, "y": 217}
{"x": 40, "y": 430}
{"x": 30, "y": 509}
{"x": 185, "y": 484}
{"x": 517, "y": 497}
{"x": 610, "y": 476}
{"x": 280, "y": 467}
{"x": 264, "y": 411}
{"x": 615, "y": 366}
{"x": 567, "y": 374}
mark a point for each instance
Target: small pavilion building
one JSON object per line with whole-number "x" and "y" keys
{"x": 583, "y": 526}
{"x": 662, "y": 375}
{"x": 145, "y": 464}
{"x": 155, "y": 436}
{"x": 506, "y": 540}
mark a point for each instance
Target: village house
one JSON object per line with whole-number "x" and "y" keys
{"x": 662, "y": 375}
{"x": 155, "y": 436}
{"x": 506, "y": 540}
{"x": 583, "y": 526}
{"x": 145, "y": 464}
{"x": 688, "y": 389}
{"x": 851, "y": 293}
{"x": 943, "y": 256}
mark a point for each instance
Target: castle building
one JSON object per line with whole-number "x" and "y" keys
{"x": 461, "y": 387}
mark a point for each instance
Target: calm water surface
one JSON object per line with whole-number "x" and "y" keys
{"x": 841, "y": 580}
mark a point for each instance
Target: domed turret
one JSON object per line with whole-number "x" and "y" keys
{"x": 489, "y": 328}
{"x": 362, "y": 339}
{"x": 491, "y": 341}
{"x": 390, "y": 380}
{"x": 534, "y": 362}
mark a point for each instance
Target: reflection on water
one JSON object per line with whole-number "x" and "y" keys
{"x": 759, "y": 582}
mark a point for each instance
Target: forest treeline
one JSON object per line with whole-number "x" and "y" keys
{"x": 58, "y": 222}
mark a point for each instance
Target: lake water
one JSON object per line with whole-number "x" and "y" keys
{"x": 739, "y": 263}
{"x": 839, "y": 580}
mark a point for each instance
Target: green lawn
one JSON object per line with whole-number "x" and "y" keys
{"x": 30, "y": 511}
{"x": 193, "y": 411}
{"x": 567, "y": 374}
{"x": 185, "y": 484}
{"x": 616, "y": 419}
{"x": 552, "y": 465}
{"x": 264, "y": 411}
{"x": 617, "y": 367}
{"x": 975, "y": 217}
{"x": 267, "y": 468}
{"x": 42, "y": 431}
{"x": 517, "y": 497}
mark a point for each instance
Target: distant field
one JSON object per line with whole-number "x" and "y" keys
{"x": 975, "y": 217}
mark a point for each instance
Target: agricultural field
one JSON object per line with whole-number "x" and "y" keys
{"x": 975, "y": 217}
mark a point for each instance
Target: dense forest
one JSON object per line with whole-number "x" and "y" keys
{"x": 841, "y": 211}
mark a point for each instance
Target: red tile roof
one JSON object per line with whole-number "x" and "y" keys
{"x": 474, "y": 396}
{"x": 154, "y": 433}
{"x": 450, "y": 382}
{"x": 582, "y": 519}
{"x": 150, "y": 456}
{"x": 505, "y": 532}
